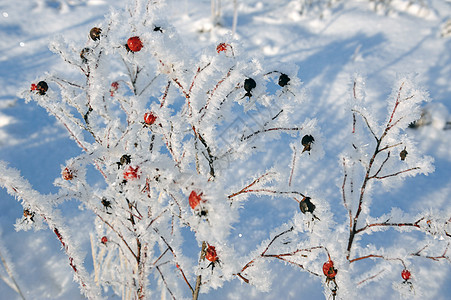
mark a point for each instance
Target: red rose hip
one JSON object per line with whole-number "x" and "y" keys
{"x": 405, "y": 274}
{"x": 134, "y": 44}
{"x": 149, "y": 118}
{"x": 194, "y": 199}
{"x": 211, "y": 254}
{"x": 329, "y": 270}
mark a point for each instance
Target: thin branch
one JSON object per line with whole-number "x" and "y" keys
{"x": 271, "y": 129}
{"x": 371, "y": 277}
{"x": 250, "y": 185}
{"x": 395, "y": 174}
{"x": 212, "y": 93}
{"x": 275, "y": 238}
{"x": 268, "y": 191}
{"x": 381, "y": 166}
{"x": 435, "y": 258}
{"x": 165, "y": 283}
{"x": 388, "y": 147}
{"x": 10, "y": 274}
{"x": 367, "y": 123}
{"x": 293, "y": 164}
{"x": 120, "y": 236}
{"x": 386, "y": 224}
{"x": 203, "y": 252}
{"x": 376, "y": 256}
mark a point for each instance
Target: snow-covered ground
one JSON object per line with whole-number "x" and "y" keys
{"x": 329, "y": 45}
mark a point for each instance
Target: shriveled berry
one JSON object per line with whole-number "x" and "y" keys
{"x": 194, "y": 199}
{"x": 114, "y": 87}
{"x": 405, "y": 274}
{"x": 134, "y": 44}
{"x": 94, "y": 33}
{"x": 125, "y": 159}
{"x": 104, "y": 240}
{"x": 28, "y": 214}
{"x": 328, "y": 269}
{"x": 106, "y": 203}
{"x": 211, "y": 254}
{"x": 42, "y": 87}
{"x": 403, "y": 154}
{"x": 307, "y": 142}
{"x": 131, "y": 173}
{"x": 83, "y": 55}
{"x": 149, "y": 118}
{"x": 222, "y": 47}
{"x": 306, "y": 205}
{"x": 67, "y": 174}
{"x": 283, "y": 80}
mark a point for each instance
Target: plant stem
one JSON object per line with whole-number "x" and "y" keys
{"x": 199, "y": 277}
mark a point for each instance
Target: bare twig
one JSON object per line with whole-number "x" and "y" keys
{"x": 15, "y": 286}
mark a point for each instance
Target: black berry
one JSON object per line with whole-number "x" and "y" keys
{"x": 307, "y": 141}
{"x": 42, "y": 87}
{"x": 249, "y": 85}
{"x": 283, "y": 80}
{"x": 306, "y": 205}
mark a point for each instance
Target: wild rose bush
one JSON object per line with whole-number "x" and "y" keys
{"x": 174, "y": 135}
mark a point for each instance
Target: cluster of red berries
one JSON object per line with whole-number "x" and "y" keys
{"x": 131, "y": 173}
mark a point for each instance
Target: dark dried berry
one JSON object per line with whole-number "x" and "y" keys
{"x": 249, "y": 85}
{"x": 307, "y": 142}
{"x": 125, "y": 159}
{"x": 283, "y": 80}
{"x": 157, "y": 28}
{"x": 83, "y": 55}
{"x": 28, "y": 214}
{"x": 106, "y": 203}
{"x": 306, "y": 205}
{"x": 42, "y": 87}
{"x": 95, "y": 33}
{"x": 403, "y": 154}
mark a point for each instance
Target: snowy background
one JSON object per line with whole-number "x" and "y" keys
{"x": 329, "y": 44}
